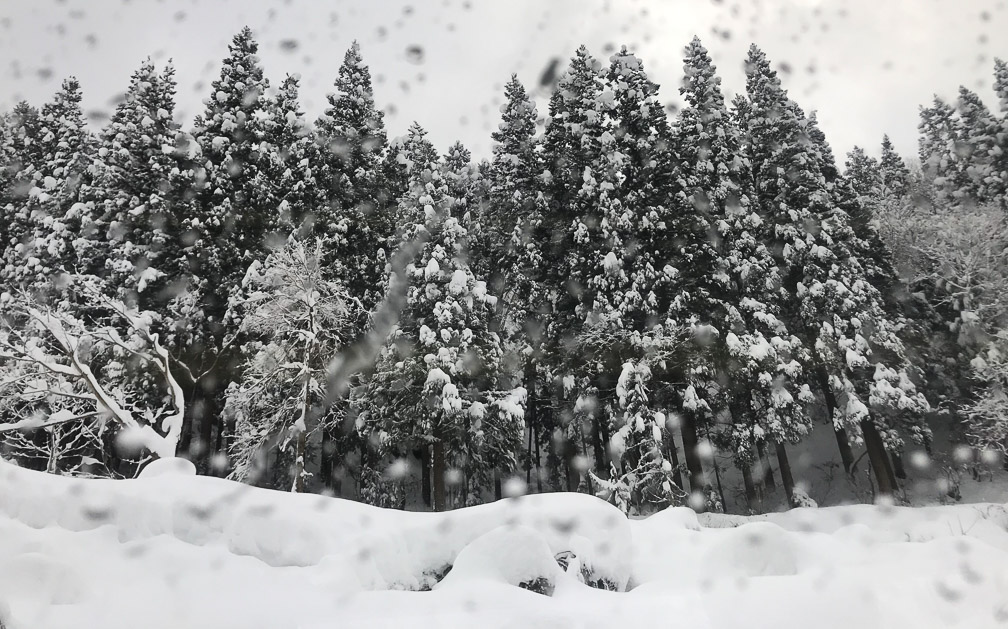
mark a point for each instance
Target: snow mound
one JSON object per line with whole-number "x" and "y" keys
{"x": 759, "y": 549}
{"x": 515, "y": 555}
{"x": 169, "y": 465}
{"x": 363, "y": 547}
{"x": 171, "y": 550}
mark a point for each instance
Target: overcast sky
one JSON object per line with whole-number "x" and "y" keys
{"x": 864, "y": 65}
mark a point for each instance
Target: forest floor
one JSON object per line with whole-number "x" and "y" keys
{"x": 174, "y": 550}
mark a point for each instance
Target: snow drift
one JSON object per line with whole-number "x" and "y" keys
{"x": 172, "y": 549}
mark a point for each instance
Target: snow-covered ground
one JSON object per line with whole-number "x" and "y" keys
{"x": 174, "y": 550}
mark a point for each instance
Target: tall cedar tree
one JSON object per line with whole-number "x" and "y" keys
{"x": 509, "y": 250}
{"x": 855, "y": 352}
{"x": 436, "y": 383}
{"x": 234, "y": 220}
{"x": 50, "y": 229}
{"x": 751, "y": 363}
{"x": 937, "y": 145}
{"x": 358, "y": 216}
{"x": 573, "y": 154}
{"x": 137, "y": 191}
{"x": 238, "y": 213}
{"x": 632, "y": 318}
{"x": 293, "y": 161}
{"x": 893, "y": 171}
{"x": 22, "y": 161}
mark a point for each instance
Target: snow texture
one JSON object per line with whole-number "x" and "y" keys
{"x": 170, "y": 549}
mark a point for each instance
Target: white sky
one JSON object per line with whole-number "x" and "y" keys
{"x": 864, "y": 65}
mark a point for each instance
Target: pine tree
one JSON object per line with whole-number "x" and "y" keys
{"x": 893, "y": 171}
{"x": 750, "y": 364}
{"x": 514, "y": 207}
{"x": 509, "y": 251}
{"x": 976, "y": 131}
{"x": 51, "y": 227}
{"x": 641, "y": 477}
{"x": 937, "y": 145}
{"x": 462, "y": 178}
{"x": 576, "y": 172}
{"x": 237, "y": 213}
{"x": 137, "y": 191}
{"x": 22, "y": 161}
{"x": 864, "y": 174}
{"x": 856, "y": 354}
{"x": 232, "y": 222}
{"x": 997, "y": 184}
{"x": 293, "y": 164}
{"x": 1001, "y": 84}
{"x": 572, "y": 146}
{"x": 358, "y": 217}
{"x": 437, "y": 381}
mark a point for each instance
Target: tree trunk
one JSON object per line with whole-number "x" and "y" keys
{"x": 785, "y": 472}
{"x": 422, "y": 455}
{"x": 53, "y": 436}
{"x": 898, "y": 469}
{"x": 326, "y": 462}
{"x": 538, "y": 458}
{"x": 185, "y": 439}
{"x": 879, "y": 459}
{"x": 438, "y": 476}
{"x": 750, "y": 486}
{"x": 528, "y": 461}
{"x": 497, "y": 485}
{"x": 597, "y": 445}
{"x": 843, "y": 443}
{"x": 584, "y": 448}
{"x": 206, "y": 408}
{"x": 572, "y": 476}
{"x": 299, "y": 462}
{"x": 846, "y": 453}
{"x": 674, "y": 460}
{"x": 694, "y": 465}
{"x": 768, "y": 477}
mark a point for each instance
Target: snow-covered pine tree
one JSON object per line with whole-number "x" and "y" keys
{"x": 937, "y": 145}
{"x": 1001, "y": 84}
{"x": 437, "y": 381}
{"x": 237, "y": 213}
{"x": 8, "y": 166}
{"x": 509, "y": 251}
{"x": 975, "y": 138}
{"x": 998, "y": 184}
{"x": 406, "y": 157}
{"x": 868, "y": 247}
{"x": 49, "y": 223}
{"x": 856, "y": 355}
{"x": 234, "y": 220}
{"x": 462, "y": 179}
{"x": 634, "y": 299}
{"x": 641, "y": 477}
{"x": 22, "y": 158}
{"x": 297, "y": 320}
{"x": 864, "y": 174}
{"x": 750, "y": 362}
{"x": 358, "y": 217}
{"x": 573, "y": 158}
{"x": 293, "y": 164}
{"x": 511, "y": 215}
{"x": 893, "y": 171}
{"x": 137, "y": 191}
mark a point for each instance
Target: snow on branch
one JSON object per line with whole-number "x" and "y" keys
{"x": 71, "y": 356}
